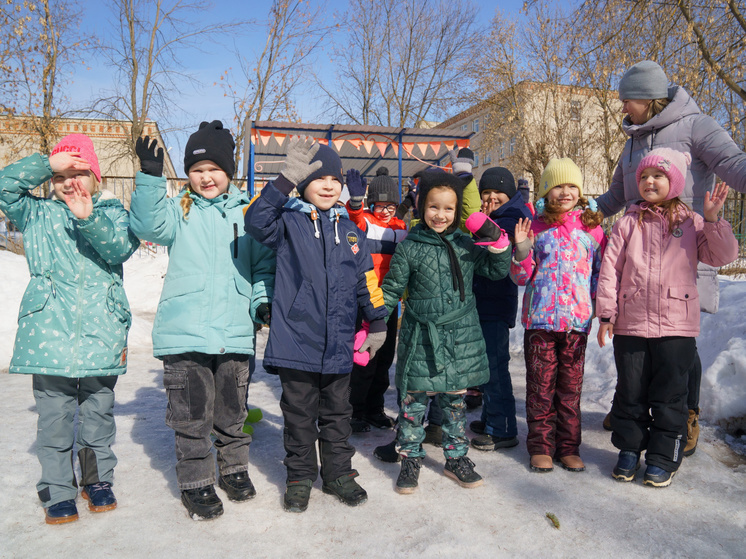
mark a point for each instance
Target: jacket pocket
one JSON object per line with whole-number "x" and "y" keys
{"x": 679, "y": 301}
{"x": 36, "y": 296}
{"x": 629, "y": 303}
{"x": 302, "y": 307}
{"x": 116, "y": 303}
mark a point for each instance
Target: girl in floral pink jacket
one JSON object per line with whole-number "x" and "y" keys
{"x": 648, "y": 301}
{"x": 560, "y": 273}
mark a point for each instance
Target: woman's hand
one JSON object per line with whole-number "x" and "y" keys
{"x": 605, "y": 331}
{"x": 714, "y": 202}
{"x": 79, "y": 201}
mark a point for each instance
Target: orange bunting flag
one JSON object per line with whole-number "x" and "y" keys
{"x": 338, "y": 144}
{"x": 357, "y": 142}
{"x": 253, "y": 136}
{"x": 408, "y": 146}
{"x": 462, "y": 143}
{"x": 382, "y": 147}
{"x": 435, "y": 147}
{"x": 280, "y": 138}
{"x": 423, "y": 148}
{"x": 368, "y": 144}
{"x": 395, "y": 147}
{"x": 322, "y": 141}
{"x": 264, "y": 136}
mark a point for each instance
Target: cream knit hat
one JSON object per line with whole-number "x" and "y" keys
{"x": 557, "y": 172}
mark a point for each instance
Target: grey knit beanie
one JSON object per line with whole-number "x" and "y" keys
{"x": 644, "y": 80}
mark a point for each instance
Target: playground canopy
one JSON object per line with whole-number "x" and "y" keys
{"x": 403, "y": 151}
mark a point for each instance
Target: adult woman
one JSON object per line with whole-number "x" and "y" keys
{"x": 659, "y": 115}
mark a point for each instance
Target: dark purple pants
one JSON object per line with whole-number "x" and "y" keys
{"x": 554, "y": 381}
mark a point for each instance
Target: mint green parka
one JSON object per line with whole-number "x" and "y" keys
{"x": 74, "y": 316}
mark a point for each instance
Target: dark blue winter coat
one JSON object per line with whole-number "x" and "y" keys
{"x": 498, "y": 300}
{"x": 320, "y": 282}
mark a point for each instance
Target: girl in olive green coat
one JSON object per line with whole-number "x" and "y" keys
{"x": 441, "y": 348}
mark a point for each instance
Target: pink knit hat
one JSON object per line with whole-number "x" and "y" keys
{"x": 673, "y": 164}
{"x": 83, "y": 145}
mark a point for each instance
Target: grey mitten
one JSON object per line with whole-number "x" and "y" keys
{"x": 298, "y": 163}
{"x": 376, "y": 337}
{"x": 462, "y": 161}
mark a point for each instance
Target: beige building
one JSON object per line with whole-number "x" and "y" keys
{"x": 17, "y": 140}
{"x": 523, "y": 128}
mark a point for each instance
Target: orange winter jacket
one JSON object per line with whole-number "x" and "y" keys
{"x": 382, "y": 237}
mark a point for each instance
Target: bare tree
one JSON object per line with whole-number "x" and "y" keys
{"x": 263, "y": 85}
{"x": 145, "y": 51}
{"x": 400, "y": 61}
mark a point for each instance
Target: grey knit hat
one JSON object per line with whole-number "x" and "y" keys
{"x": 383, "y": 188}
{"x": 644, "y": 80}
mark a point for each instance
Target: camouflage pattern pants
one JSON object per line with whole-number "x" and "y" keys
{"x": 412, "y": 432}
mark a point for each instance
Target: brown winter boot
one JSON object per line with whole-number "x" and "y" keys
{"x": 692, "y": 433}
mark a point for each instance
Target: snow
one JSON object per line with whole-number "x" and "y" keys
{"x": 703, "y": 513}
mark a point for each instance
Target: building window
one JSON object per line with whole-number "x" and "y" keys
{"x": 512, "y": 145}
{"x": 502, "y": 149}
{"x": 475, "y": 125}
{"x": 464, "y": 126}
{"x": 575, "y": 110}
{"x": 476, "y": 159}
{"x": 574, "y": 147}
{"x": 487, "y": 158}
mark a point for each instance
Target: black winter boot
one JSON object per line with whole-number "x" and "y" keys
{"x": 461, "y": 470}
{"x": 238, "y": 486}
{"x": 297, "y": 494}
{"x": 406, "y": 483}
{"x": 202, "y": 503}
{"x": 346, "y": 489}
{"x": 387, "y": 452}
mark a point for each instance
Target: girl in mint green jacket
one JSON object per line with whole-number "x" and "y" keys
{"x": 219, "y": 282}
{"x": 74, "y": 317}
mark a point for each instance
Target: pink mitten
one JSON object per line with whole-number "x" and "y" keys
{"x": 487, "y": 231}
{"x": 360, "y": 336}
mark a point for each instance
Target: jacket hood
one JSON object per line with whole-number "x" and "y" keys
{"x": 515, "y": 207}
{"x": 236, "y": 197}
{"x": 681, "y": 105}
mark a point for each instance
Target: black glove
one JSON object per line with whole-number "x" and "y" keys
{"x": 151, "y": 161}
{"x": 408, "y": 202}
{"x": 264, "y": 312}
{"x": 356, "y": 186}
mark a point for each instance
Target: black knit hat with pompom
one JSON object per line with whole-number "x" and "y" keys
{"x": 383, "y": 188}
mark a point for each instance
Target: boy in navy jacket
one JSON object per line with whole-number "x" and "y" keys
{"x": 324, "y": 273}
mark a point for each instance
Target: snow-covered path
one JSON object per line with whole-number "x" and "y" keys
{"x": 702, "y": 514}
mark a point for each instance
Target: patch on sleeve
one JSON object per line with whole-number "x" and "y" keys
{"x": 352, "y": 239}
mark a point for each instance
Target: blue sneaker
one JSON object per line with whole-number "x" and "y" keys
{"x": 99, "y": 496}
{"x": 626, "y": 466}
{"x": 657, "y": 477}
{"x": 60, "y": 513}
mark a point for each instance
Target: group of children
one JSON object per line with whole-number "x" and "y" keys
{"x": 320, "y": 272}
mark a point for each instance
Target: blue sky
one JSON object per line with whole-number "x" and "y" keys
{"x": 205, "y": 101}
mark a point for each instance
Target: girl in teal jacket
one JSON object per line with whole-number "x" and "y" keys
{"x": 74, "y": 317}
{"x": 219, "y": 281}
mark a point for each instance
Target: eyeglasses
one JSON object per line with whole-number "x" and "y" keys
{"x": 382, "y": 207}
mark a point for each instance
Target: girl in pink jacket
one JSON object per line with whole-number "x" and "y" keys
{"x": 560, "y": 274}
{"x": 647, "y": 300}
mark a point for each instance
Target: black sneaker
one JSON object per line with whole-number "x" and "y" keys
{"x": 380, "y": 420}
{"x": 626, "y": 466}
{"x": 100, "y": 497}
{"x": 388, "y": 453}
{"x": 297, "y": 494}
{"x": 202, "y": 503}
{"x": 461, "y": 470}
{"x": 657, "y": 477}
{"x": 346, "y": 489}
{"x": 359, "y": 425}
{"x": 434, "y": 435}
{"x": 477, "y": 427}
{"x": 491, "y": 442}
{"x": 61, "y": 513}
{"x": 238, "y": 486}
{"x": 406, "y": 483}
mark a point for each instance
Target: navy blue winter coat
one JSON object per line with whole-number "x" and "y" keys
{"x": 320, "y": 283}
{"x": 498, "y": 300}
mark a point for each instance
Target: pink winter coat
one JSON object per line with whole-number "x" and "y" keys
{"x": 648, "y": 280}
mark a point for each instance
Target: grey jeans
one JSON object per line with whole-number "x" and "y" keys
{"x": 57, "y": 399}
{"x": 207, "y": 394}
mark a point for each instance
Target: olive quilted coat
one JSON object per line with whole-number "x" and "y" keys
{"x": 74, "y": 315}
{"x": 441, "y": 347}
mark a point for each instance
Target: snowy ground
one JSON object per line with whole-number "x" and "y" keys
{"x": 702, "y": 514}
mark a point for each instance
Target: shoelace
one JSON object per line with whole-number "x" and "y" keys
{"x": 411, "y": 467}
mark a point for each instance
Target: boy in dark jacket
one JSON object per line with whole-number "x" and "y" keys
{"x": 324, "y": 273}
{"x": 497, "y": 305}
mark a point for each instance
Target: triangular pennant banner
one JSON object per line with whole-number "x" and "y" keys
{"x": 264, "y": 136}
{"x": 338, "y": 144}
{"x": 253, "y": 137}
{"x": 436, "y": 147}
{"x": 423, "y": 148}
{"x": 356, "y": 142}
{"x": 280, "y": 138}
{"x": 382, "y": 147}
{"x": 368, "y": 144}
{"x": 462, "y": 143}
{"x": 395, "y": 147}
{"x": 323, "y": 141}
{"x": 408, "y": 146}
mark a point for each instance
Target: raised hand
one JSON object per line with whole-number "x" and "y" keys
{"x": 356, "y": 185}
{"x": 523, "y": 231}
{"x": 298, "y": 166}
{"x": 79, "y": 200}
{"x": 151, "y": 161}
{"x": 714, "y": 202}
{"x": 64, "y": 160}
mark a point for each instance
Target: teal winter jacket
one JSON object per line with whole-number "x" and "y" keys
{"x": 441, "y": 347}
{"x": 217, "y": 275}
{"x": 74, "y": 315}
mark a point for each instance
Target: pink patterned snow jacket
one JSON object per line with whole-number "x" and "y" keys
{"x": 648, "y": 280}
{"x": 560, "y": 273}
